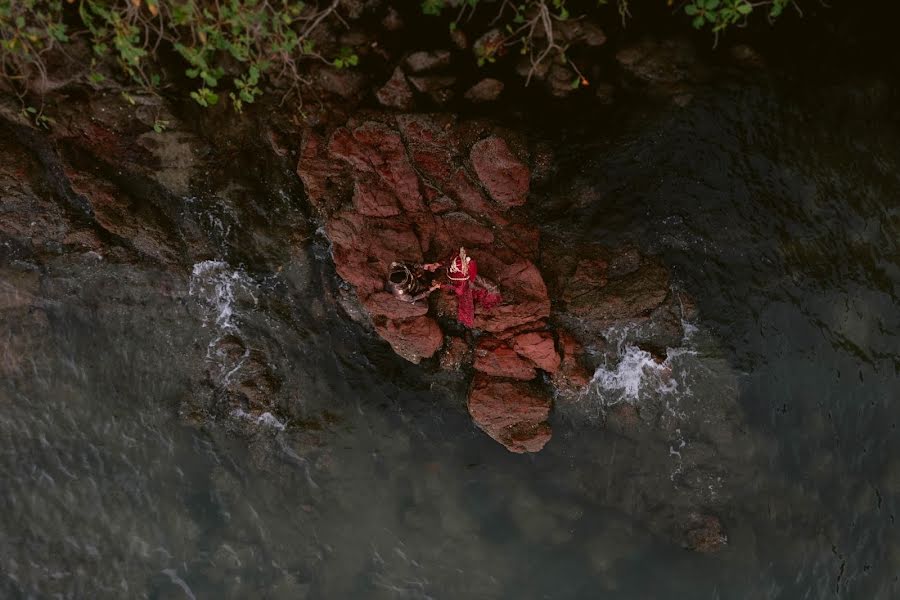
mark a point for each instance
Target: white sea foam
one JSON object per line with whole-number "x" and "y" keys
{"x": 219, "y": 288}
{"x": 266, "y": 419}
{"x": 214, "y": 282}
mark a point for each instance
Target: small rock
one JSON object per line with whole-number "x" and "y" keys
{"x": 562, "y": 81}
{"x": 704, "y": 534}
{"x": 666, "y": 62}
{"x": 386, "y": 304}
{"x": 396, "y": 93}
{"x": 572, "y": 377}
{"x": 538, "y": 347}
{"x": 341, "y": 82}
{"x": 438, "y": 87}
{"x": 413, "y": 339}
{"x": 495, "y": 358}
{"x": 747, "y": 57}
{"x": 485, "y": 90}
{"x": 418, "y": 62}
{"x": 392, "y": 21}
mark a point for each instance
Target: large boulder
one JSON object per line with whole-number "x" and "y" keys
{"x": 513, "y": 413}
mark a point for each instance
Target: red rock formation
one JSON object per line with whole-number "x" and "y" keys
{"x": 507, "y": 180}
{"x": 399, "y": 189}
{"x": 494, "y": 357}
{"x": 539, "y": 348}
{"x": 512, "y": 413}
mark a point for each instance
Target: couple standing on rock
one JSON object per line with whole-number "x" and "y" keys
{"x": 412, "y": 282}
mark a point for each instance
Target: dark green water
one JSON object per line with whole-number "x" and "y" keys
{"x": 779, "y": 213}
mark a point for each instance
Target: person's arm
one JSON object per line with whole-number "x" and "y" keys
{"x": 427, "y": 292}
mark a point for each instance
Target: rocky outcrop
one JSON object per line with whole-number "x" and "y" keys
{"x": 404, "y": 189}
{"x": 598, "y": 288}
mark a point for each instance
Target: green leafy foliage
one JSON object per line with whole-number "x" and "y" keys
{"x": 224, "y": 43}
{"x": 721, "y": 14}
{"x": 432, "y": 7}
{"x": 346, "y": 59}
{"x": 236, "y": 49}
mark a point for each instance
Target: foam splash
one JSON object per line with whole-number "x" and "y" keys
{"x": 635, "y": 370}
{"x": 266, "y": 419}
{"x": 215, "y": 283}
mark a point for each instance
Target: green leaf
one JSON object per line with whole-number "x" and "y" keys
{"x": 691, "y": 9}
{"x": 432, "y": 7}
{"x": 698, "y": 21}
{"x": 712, "y": 4}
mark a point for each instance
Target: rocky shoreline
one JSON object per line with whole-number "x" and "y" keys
{"x": 375, "y": 184}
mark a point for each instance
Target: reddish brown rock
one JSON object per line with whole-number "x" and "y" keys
{"x": 504, "y": 176}
{"x": 470, "y": 198}
{"x": 324, "y": 178}
{"x": 430, "y": 148}
{"x": 572, "y": 376}
{"x": 495, "y": 358}
{"x": 522, "y": 238}
{"x": 441, "y": 205}
{"x": 704, "y": 533}
{"x": 466, "y": 231}
{"x": 396, "y": 93}
{"x": 512, "y": 413}
{"x": 375, "y": 148}
{"x": 364, "y": 247}
{"x": 370, "y": 198}
{"x": 525, "y": 298}
{"x": 384, "y": 304}
{"x": 413, "y": 339}
{"x": 538, "y": 347}
{"x": 115, "y": 213}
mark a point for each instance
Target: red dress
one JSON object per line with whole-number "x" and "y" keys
{"x": 469, "y": 291}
